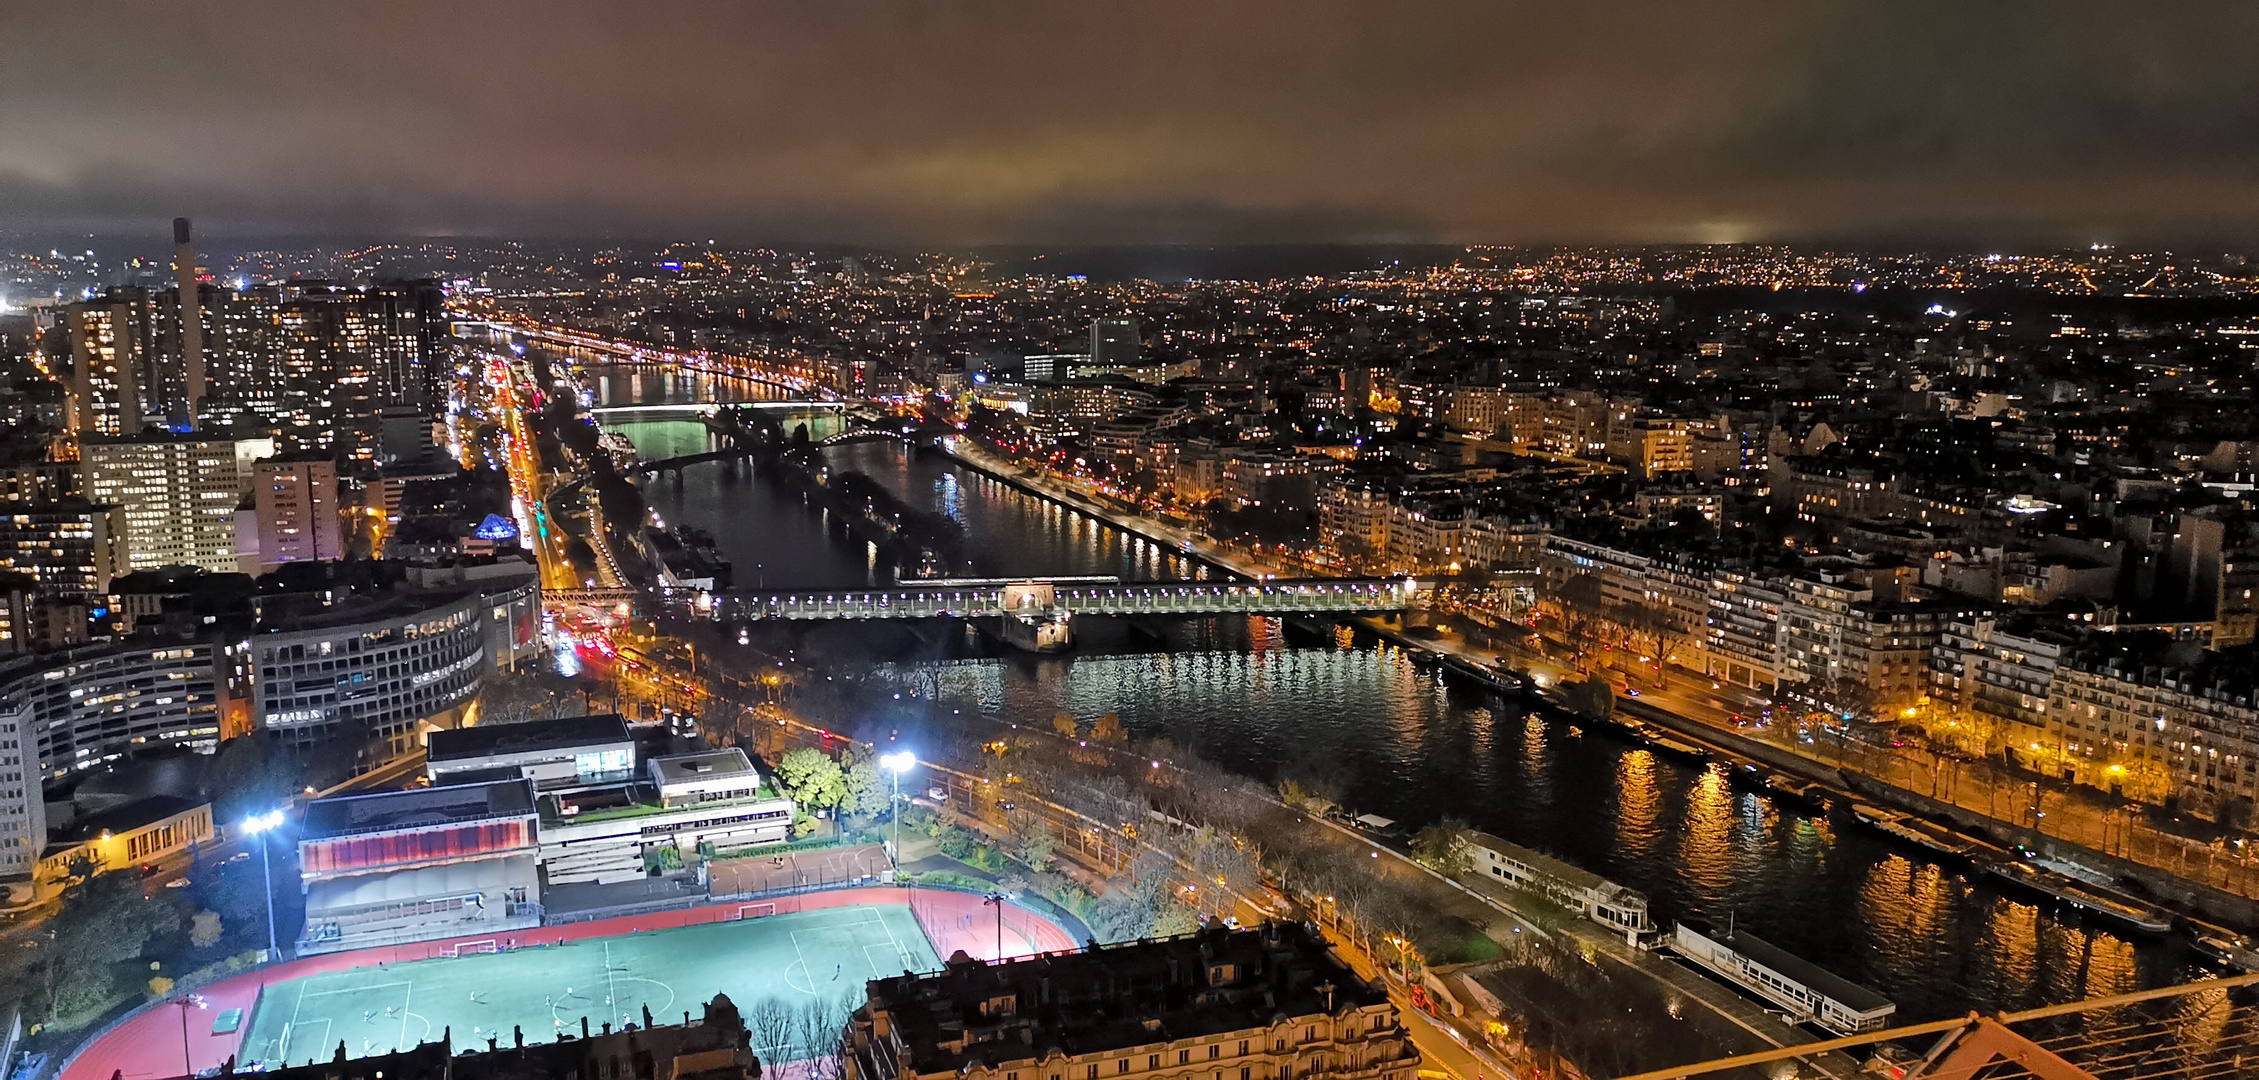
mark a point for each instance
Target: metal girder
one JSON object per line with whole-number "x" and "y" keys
{"x": 1984, "y": 1041}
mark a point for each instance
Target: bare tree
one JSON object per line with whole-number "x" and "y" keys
{"x": 771, "y": 1024}
{"x": 818, "y": 1025}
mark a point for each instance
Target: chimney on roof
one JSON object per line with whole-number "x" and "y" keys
{"x": 191, "y": 321}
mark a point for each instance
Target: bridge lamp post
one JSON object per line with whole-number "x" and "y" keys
{"x": 898, "y": 762}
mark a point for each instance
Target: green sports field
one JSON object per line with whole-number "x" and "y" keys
{"x": 811, "y": 963}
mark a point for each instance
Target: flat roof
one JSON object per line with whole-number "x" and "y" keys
{"x": 1814, "y": 977}
{"x": 708, "y": 765}
{"x": 1575, "y": 876}
{"x": 131, "y": 816}
{"x": 417, "y": 808}
{"x": 530, "y": 737}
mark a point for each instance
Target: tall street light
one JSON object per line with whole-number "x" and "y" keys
{"x": 185, "y": 1003}
{"x": 898, "y": 762}
{"x": 260, "y": 825}
{"x": 996, "y": 900}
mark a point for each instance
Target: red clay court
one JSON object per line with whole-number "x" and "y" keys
{"x": 368, "y": 999}
{"x": 821, "y": 869}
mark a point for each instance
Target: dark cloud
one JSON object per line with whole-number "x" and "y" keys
{"x": 970, "y": 122}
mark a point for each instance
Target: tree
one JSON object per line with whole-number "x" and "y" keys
{"x": 1174, "y": 919}
{"x": 1592, "y": 699}
{"x": 811, "y": 778}
{"x": 204, "y": 929}
{"x": 1578, "y": 602}
{"x": 1852, "y": 699}
{"x": 1292, "y": 793}
{"x": 249, "y": 775}
{"x": 866, "y": 793}
{"x": 101, "y": 923}
{"x": 512, "y": 699}
{"x": 1320, "y": 781}
{"x": 1036, "y": 847}
{"x": 236, "y": 890}
{"x": 1108, "y": 729}
{"x": 769, "y": 1021}
{"x": 816, "y": 1026}
{"x": 1222, "y": 861}
{"x": 1064, "y": 724}
{"x": 1446, "y": 847}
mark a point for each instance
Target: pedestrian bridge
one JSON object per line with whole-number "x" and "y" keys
{"x": 983, "y": 598}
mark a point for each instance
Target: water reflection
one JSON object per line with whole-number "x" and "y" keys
{"x": 1246, "y": 694}
{"x": 1639, "y": 802}
{"x": 1705, "y": 841}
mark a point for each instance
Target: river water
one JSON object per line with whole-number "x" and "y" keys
{"x": 1240, "y": 693}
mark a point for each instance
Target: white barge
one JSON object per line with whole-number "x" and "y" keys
{"x": 1807, "y": 992}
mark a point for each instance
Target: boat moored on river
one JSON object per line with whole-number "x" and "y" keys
{"x": 2085, "y": 897}
{"x": 1807, "y": 992}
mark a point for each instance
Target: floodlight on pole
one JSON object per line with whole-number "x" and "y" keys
{"x": 260, "y": 825}
{"x": 898, "y": 762}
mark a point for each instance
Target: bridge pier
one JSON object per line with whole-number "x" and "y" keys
{"x": 1047, "y": 632}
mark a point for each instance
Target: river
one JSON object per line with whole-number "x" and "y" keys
{"x": 1240, "y": 693}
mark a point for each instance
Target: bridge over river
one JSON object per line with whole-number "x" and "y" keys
{"x": 1037, "y": 613}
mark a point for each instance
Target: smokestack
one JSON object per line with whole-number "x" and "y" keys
{"x": 191, "y": 319}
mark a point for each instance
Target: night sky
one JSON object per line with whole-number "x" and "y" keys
{"x": 1102, "y": 122}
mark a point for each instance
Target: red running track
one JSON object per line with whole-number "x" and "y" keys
{"x": 149, "y": 1044}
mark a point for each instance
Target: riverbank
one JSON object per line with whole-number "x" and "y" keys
{"x": 2155, "y": 872}
{"x": 963, "y": 452}
{"x": 1694, "y": 1016}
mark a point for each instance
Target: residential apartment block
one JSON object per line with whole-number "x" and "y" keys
{"x": 1271, "y": 1003}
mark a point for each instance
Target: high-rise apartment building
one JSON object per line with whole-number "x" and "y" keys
{"x": 341, "y": 355}
{"x": 111, "y": 350}
{"x": 1272, "y": 1003}
{"x": 69, "y": 548}
{"x": 1113, "y": 342}
{"x": 317, "y": 360}
{"x": 23, "y": 813}
{"x": 242, "y": 334}
{"x": 295, "y": 499}
{"x": 178, "y": 494}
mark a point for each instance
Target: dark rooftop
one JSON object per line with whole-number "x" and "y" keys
{"x": 531, "y": 736}
{"x": 715, "y": 1046}
{"x": 1107, "y": 998}
{"x": 417, "y": 808}
{"x": 129, "y": 817}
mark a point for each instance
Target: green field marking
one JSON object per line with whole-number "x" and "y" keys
{"x": 795, "y": 957}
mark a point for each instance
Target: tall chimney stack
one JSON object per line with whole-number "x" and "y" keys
{"x": 191, "y": 319}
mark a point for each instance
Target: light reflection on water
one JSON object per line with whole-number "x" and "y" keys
{"x": 1706, "y": 844}
{"x": 1240, "y": 692}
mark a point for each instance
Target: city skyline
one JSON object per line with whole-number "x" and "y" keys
{"x": 2005, "y": 125}
{"x": 1148, "y": 541}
